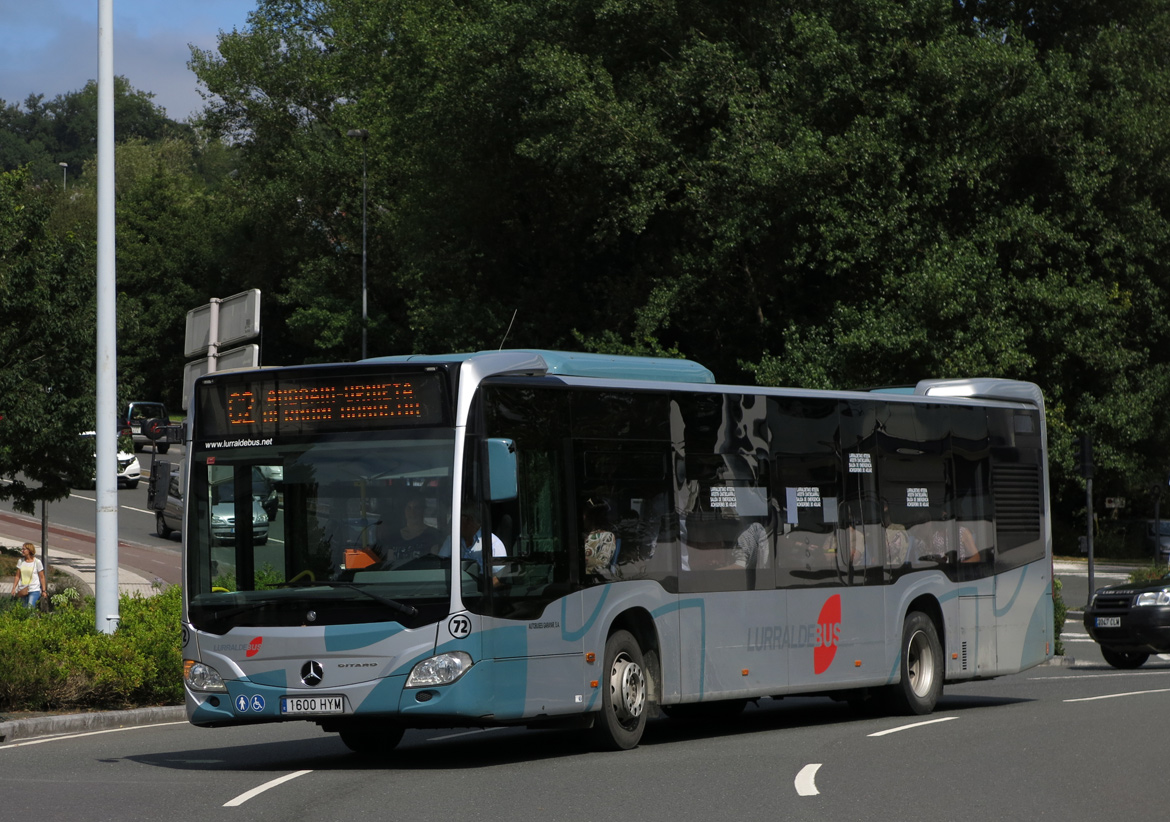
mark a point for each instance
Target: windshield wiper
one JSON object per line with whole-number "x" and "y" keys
{"x": 392, "y": 604}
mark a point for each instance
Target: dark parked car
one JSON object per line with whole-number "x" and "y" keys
{"x": 139, "y": 413}
{"x": 1130, "y": 621}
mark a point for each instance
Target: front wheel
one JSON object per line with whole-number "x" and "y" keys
{"x": 1126, "y": 660}
{"x": 160, "y": 526}
{"x": 622, "y": 718}
{"x": 921, "y": 667}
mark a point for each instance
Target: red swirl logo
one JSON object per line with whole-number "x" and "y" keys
{"x": 827, "y": 635}
{"x": 254, "y": 646}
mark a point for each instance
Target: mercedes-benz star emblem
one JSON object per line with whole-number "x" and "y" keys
{"x": 312, "y": 673}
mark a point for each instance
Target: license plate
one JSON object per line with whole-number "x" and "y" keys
{"x": 1108, "y": 622}
{"x": 294, "y": 705}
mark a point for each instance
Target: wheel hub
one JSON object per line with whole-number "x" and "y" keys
{"x": 627, "y": 688}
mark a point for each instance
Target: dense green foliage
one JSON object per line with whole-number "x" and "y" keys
{"x": 41, "y": 135}
{"x": 821, "y": 194}
{"x": 46, "y": 348}
{"x": 64, "y": 663}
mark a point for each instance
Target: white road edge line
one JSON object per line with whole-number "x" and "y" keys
{"x": 259, "y": 789}
{"x": 915, "y": 725}
{"x": 1114, "y": 696}
{"x": 43, "y": 739}
{"x": 806, "y": 781}
{"x": 1114, "y": 675}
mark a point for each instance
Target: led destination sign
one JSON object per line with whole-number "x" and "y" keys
{"x": 263, "y": 405}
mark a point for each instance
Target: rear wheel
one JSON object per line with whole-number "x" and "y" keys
{"x": 1124, "y": 659}
{"x": 372, "y": 737}
{"x": 160, "y": 526}
{"x": 921, "y": 667}
{"x": 161, "y": 447}
{"x": 622, "y": 719}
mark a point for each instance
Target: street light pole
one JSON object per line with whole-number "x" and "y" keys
{"x": 64, "y": 174}
{"x": 363, "y": 135}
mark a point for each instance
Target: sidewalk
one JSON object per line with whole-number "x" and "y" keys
{"x": 85, "y": 570}
{"x": 140, "y": 567}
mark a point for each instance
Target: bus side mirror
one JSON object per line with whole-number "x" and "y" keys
{"x": 501, "y": 469}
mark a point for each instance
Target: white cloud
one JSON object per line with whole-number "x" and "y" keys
{"x": 49, "y": 47}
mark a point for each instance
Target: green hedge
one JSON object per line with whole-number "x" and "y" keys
{"x": 58, "y": 660}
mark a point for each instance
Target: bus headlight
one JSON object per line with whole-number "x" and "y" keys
{"x": 439, "y": 670}
{"x": 200, "y": 677}
{"x": 1154, "y": 598}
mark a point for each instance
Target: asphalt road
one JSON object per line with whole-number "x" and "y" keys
{"x": 1070, "y": 743}
{"x": 72, "y": 522}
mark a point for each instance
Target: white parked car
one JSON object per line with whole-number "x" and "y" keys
{"x": 129, "y": 471}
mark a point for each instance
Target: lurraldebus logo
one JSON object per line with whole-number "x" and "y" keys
{"x": 254, "y": 645}
{"x": 827, "y": 635}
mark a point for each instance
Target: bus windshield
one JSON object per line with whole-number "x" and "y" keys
{"x": 332, "y": 531}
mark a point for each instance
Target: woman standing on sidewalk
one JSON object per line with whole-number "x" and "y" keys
{"x": 29, "y": 581}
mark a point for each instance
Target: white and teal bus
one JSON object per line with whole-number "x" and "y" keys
{"x": 542, "y": 538}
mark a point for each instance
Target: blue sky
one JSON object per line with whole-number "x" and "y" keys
{"x": 49, "y": 47}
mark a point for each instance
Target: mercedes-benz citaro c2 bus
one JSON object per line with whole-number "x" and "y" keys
{"x": 556, "y": 539}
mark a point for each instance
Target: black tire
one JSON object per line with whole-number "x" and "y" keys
{"x": 1126, "y": 660}
{"x": 160, "y": 526}
{"x": 372, "y": 737}
{"x": 132, "y": 484}
{"x": 161, "y": 447}
{"x": 619, "y": 725}
{"x": 921, "y": 668}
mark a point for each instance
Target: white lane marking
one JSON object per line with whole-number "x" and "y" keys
{"x": 1098, "y": 676}
{"x": 465, "y": 733}
{"x": 259, "y": 789}
{"x": 915, "y": 725}
{"x": 138, "y": 510}
{"x": 42, "y": 739}
{"x": 1114, "y": 696}
{"x": 83, "y": 496}
{"x": 806, "y": 781}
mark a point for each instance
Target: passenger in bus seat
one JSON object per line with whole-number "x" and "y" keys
{"x": 600, "y": 542}
{"x": 939, "y": 548}
{"x": 897, "y": 539}
{"x": 415, "y": 538}
{"x": 968, "y": 550}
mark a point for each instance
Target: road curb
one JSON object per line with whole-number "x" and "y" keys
{"x": 39, "y": 726}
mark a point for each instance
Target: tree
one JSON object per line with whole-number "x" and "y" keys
{"x": 822, "y": 194}
{"x": 42, "y": 134}
{"x": 47, "y": 350}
